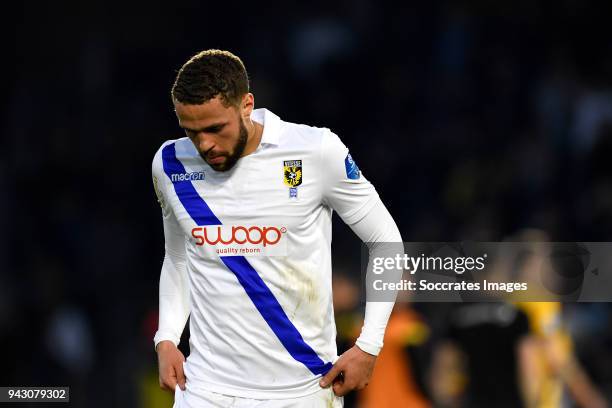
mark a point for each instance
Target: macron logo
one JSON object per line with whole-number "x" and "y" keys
{"x": 197, "y": 175}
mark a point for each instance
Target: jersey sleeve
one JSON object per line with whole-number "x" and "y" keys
{"x": 382, "y": 237}
{"x": 173, "y": 281}
{"x": 353, "y": 197}
{"x": 344, "y": 187}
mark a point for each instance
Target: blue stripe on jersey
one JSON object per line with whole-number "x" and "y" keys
{"x": 186, "y": 192}
{"x": 255, "y": 287}
{"x": 274, "y": 314}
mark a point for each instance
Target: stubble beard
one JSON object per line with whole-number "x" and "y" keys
{"x": 232, "y": 158}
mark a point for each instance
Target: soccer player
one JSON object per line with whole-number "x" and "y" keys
{"x": 247, "y": 202}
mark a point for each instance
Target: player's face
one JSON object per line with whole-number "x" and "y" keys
{"x": 218, "y": 132}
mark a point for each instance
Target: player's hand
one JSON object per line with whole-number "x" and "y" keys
{"x": 352, "y": 371}
{"x": 170, "y": 361}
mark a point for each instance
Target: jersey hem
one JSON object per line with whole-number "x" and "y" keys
{"x": 281, "y": 393}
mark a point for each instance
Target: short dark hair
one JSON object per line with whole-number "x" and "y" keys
{"x": 208, "y": 74}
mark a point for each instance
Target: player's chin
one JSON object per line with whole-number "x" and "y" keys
{"x": 223, "y": 165}
{"x": 219, "y": 167}
{"x": 218, "y": 163}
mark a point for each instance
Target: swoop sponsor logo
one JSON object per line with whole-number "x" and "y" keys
{"x": 240, "y": 240}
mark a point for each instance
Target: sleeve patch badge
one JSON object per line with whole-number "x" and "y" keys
{"x": 160, "y": 197}
{"x": 352, "y": 171}
{"x": 158, "y": 193}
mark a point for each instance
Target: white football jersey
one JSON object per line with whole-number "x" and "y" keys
{"x": 254, "y": 244}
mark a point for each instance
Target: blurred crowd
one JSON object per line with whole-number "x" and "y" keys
{"x": 473, "y": 119}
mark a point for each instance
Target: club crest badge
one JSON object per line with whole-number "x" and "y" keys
{"x": 292, "y": 176}
{"x": 292, "y": 172}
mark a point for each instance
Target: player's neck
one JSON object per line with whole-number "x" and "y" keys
{"x": 253, "y": 139}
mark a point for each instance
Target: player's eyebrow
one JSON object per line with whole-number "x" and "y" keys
{"x": 215, "y": 127}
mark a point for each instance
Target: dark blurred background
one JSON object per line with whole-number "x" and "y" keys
{"x": 473, "y": 119}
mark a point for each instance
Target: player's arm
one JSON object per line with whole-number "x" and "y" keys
{"x": 347, "y": 191}
{"x": 173, "y": 293}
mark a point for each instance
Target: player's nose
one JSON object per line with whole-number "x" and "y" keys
{"x": 204, "y": 142}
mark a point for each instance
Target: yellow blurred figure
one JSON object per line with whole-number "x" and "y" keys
{"x": 548, "y": 362}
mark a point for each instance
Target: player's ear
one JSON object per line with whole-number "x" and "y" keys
{"x": 246, "y": 105}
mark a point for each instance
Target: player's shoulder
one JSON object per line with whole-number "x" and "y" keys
{"x": 322, "y": 142}
{"x": 169, "y": 149}
{"x": 299, "y": 135}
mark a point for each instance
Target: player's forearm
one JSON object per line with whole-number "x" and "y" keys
{"x": 373, "y": 331}
{"x": 173, "y": 285}
{"x": 380, "y": 233}
{"x": 173, "y": 282}
{"x": 173, "y": 300}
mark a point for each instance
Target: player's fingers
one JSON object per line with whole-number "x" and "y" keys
{"x": 167, "y": 383}
{"x": 331, "y": 375}
{"x": 162, "y": 385}
{"x": 180, "y": 375}
{"x": 361, "y": 385}
{"x": 167, "y": 380}
{"x": 341, "y": 388}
